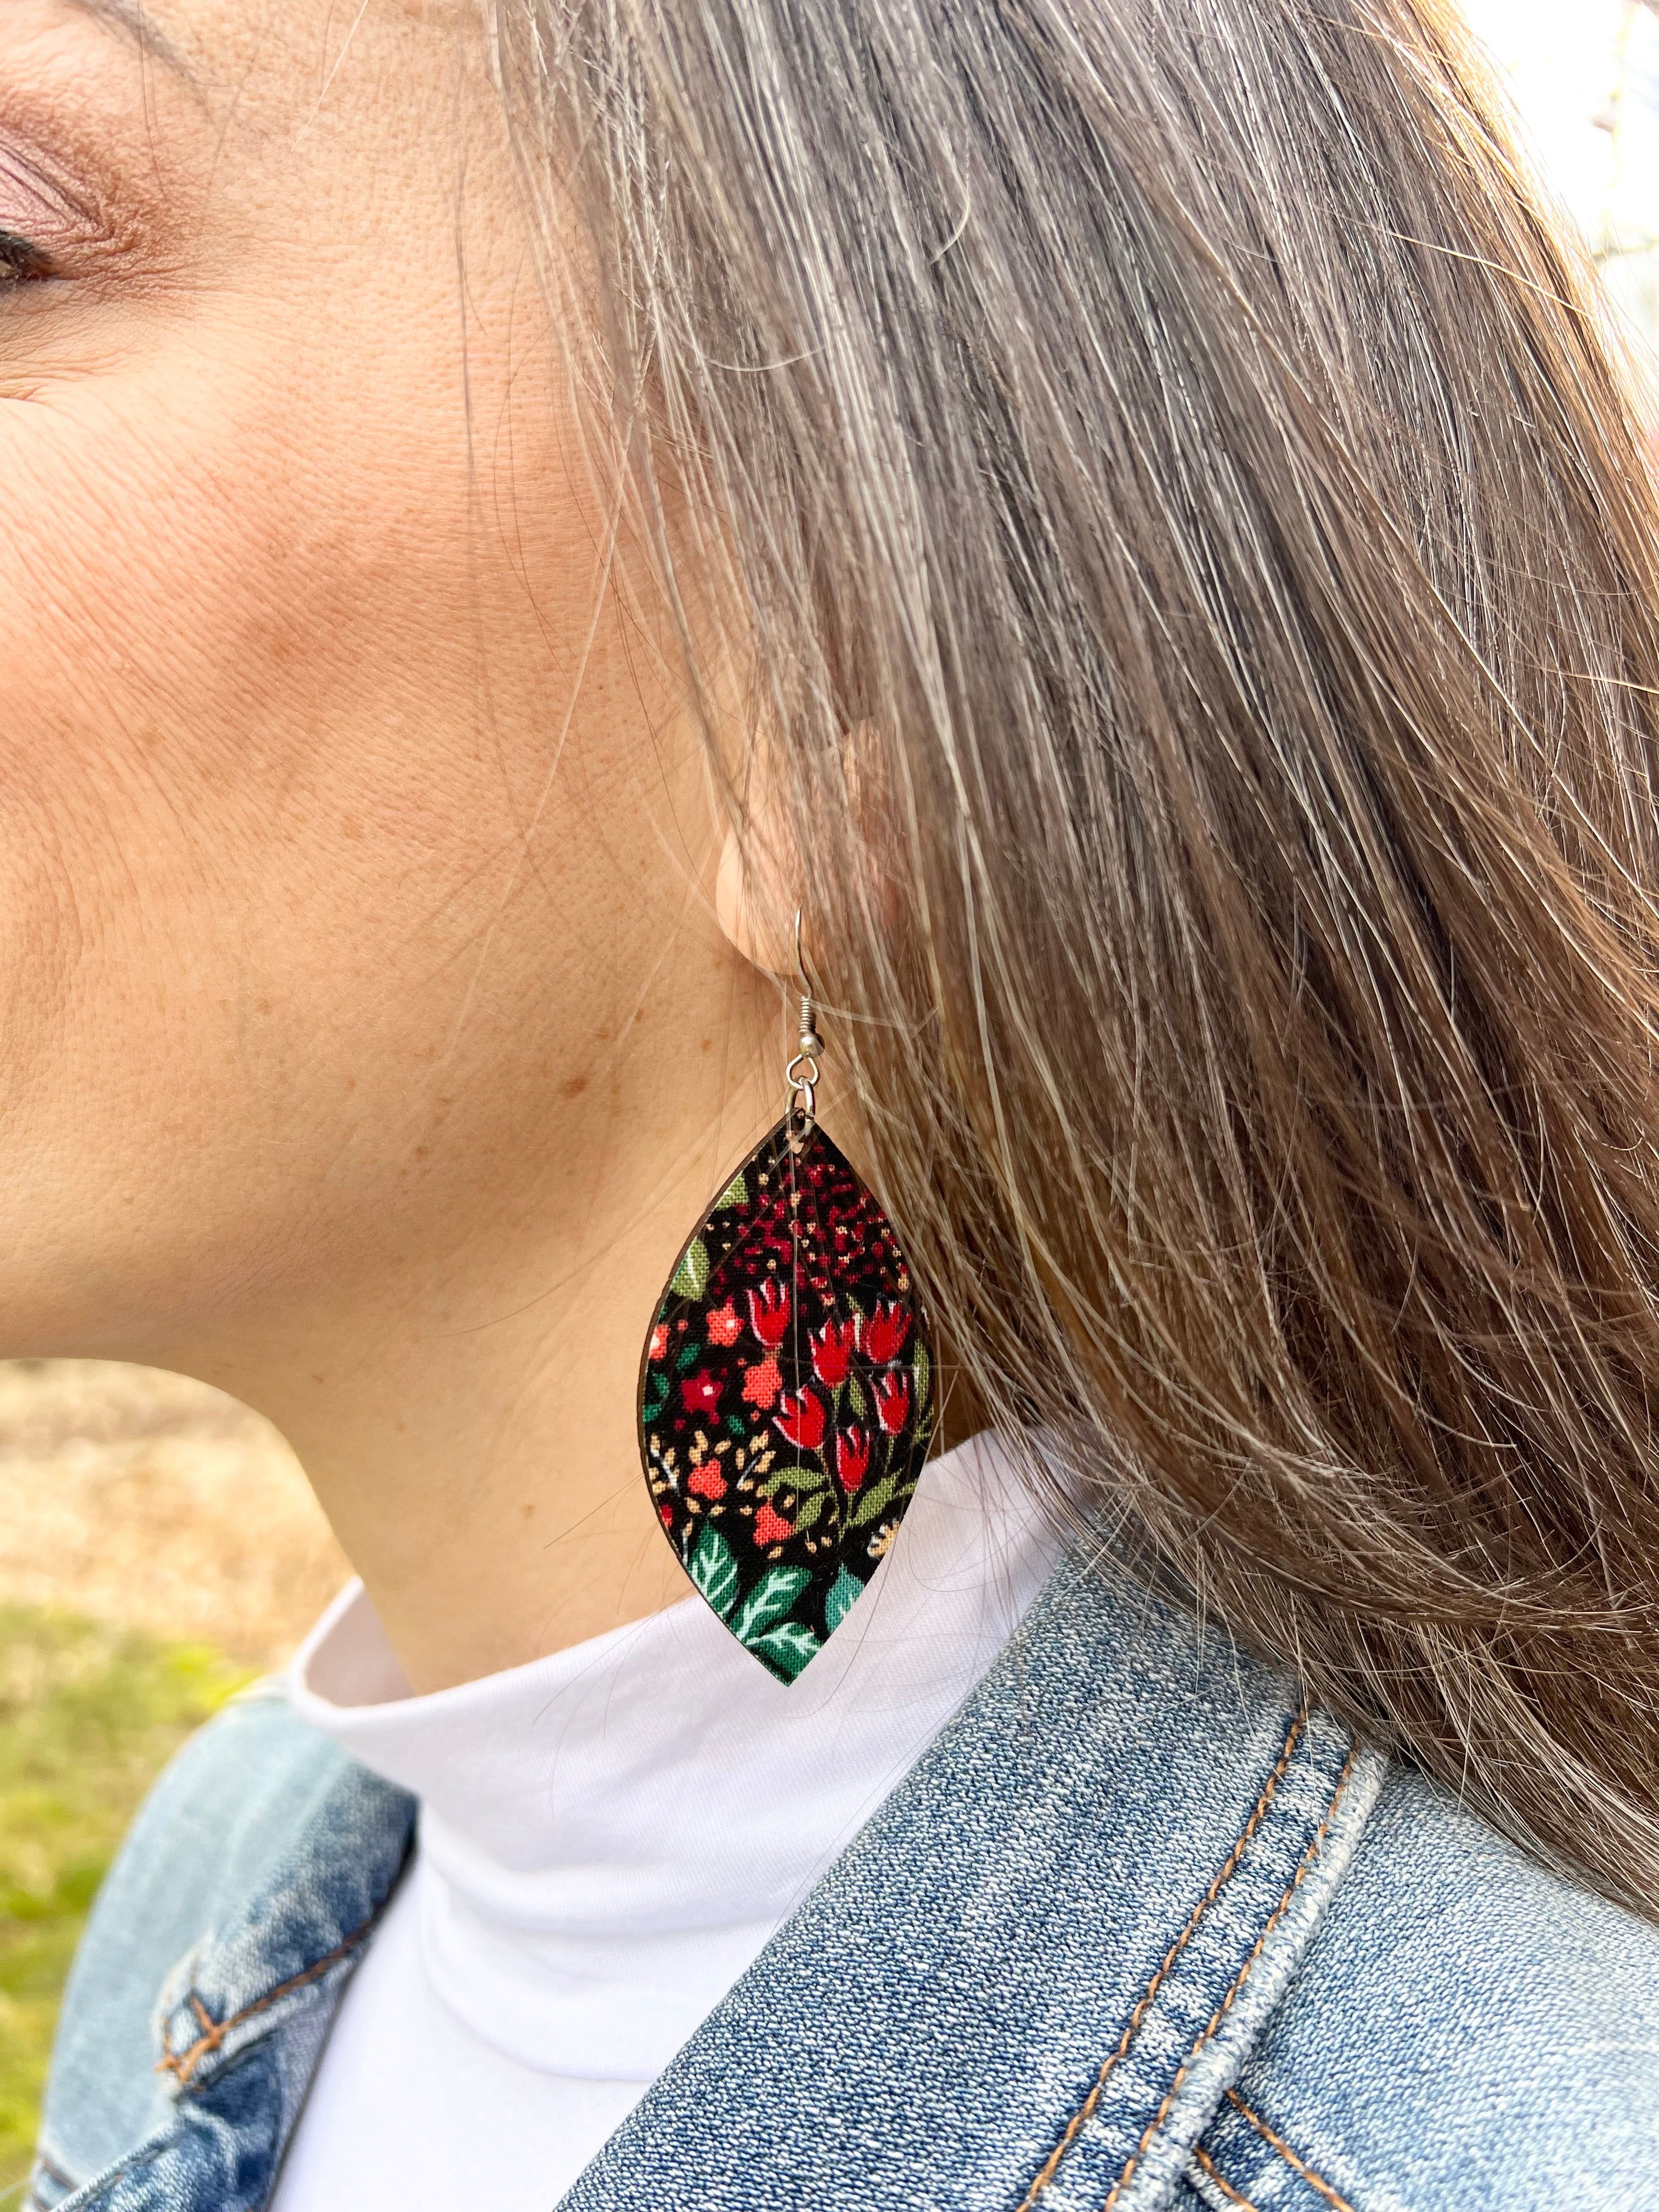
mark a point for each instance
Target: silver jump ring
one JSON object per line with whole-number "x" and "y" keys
{"x": 805, "y": 1086}
{"x": 802, "y": 1072}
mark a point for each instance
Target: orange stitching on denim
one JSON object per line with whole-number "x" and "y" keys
{"x": 1085, "y": 2111}
{"x": 1298, "y": 2166}
{"x": 1239, "y": 1980}
{"x": 183, "y": 2063}
{"x": 1205, "y": 2164}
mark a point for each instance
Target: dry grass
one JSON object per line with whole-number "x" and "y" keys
{"x": 148, "y": 1502}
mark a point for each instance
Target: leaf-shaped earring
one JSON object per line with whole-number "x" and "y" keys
{"x": 786, "y": 1388}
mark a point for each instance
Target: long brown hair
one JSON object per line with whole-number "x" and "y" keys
{"x": 1197, "y": 566}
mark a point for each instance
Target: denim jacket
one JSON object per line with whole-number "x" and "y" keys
{"x": 1139, "y": 1929}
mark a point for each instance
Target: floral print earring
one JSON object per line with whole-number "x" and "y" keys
{"x": 786, "y": 1388}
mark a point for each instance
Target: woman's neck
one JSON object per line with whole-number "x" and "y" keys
{"x": 467, "y": 1416}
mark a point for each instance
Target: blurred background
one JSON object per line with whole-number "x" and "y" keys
{"x": 159, "y": 1547}
{"x": 1584, "y": 77}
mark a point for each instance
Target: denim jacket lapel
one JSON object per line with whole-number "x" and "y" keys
{"x": 1030, "y": 1980}
{"x": 241, "y": 2021}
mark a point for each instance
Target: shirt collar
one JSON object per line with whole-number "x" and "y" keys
{"x": 610, "y": 1835}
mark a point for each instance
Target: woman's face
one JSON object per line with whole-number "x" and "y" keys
{"x": 349, "y": 824}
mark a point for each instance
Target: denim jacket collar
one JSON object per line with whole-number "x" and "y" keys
{"x": 1033, "y": 1977}
{"x": 1029, "y": 1982}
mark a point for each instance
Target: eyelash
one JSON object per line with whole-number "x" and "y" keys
{"x": 20, "y": 262}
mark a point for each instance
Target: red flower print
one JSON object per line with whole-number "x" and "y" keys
{"x": 762, "y": 1383}
{"x": 700, "y": 1393}
{"x": 769, "y": 1312}
{"x": 723, "y": 1326}
{"x": 832, "y": 1351}
{"x": 885, "y": 1331}
{"x": 801, "y": 1420}
{"x": 853, "y": 1457}
{"x": 787, "y": 1394}
{"x": 893, "y": 1399}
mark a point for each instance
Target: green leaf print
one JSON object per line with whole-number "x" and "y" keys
{"x": 856, "y": 1397}
{"x": 770, "y": 1599}
{"x": 690, "y": 1278}
{"x": 803, "y": 1479}
{"x": 810, "y": 1510}
{"x": 713, "y": 1570}
{"x": 922, "y": 1367}
{"x": 880, "y": 1496}
{"x": 845, "y": 1592}
{"x": 735, "y": 1194}
{"x": 787, "y": 1648}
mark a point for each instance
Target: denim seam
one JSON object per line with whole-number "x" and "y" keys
{"x": 1085, "y": 2111}
{"x": 183, "y": 2063}
{"x": 1207, "y": 2166}
{"x": 1315, "y": 1846}
{"x": 1276, "y": 2143}
{"x": 145, "y": 2155}
{"x": 49, "y": 2167}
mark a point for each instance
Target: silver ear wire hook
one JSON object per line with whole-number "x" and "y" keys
{"x": 802, "y": 1072}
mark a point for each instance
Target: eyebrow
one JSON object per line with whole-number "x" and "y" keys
{"x": 132, "y": 20}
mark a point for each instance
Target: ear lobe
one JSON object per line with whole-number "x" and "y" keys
{"x": 756, "y": 915}
{"x": 756, "y": 889}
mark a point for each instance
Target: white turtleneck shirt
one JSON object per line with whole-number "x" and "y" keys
{"x": 606, "y": 1839}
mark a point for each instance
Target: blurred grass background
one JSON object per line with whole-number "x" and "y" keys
{"x": 159, "y": 1547}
